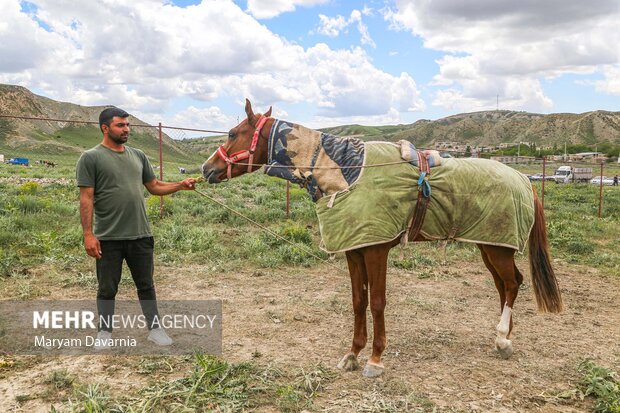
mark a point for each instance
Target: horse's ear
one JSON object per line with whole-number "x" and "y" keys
{"x": 268, "y": 113}
{"x": 248, "y": 110}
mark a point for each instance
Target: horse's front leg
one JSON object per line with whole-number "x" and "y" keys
{"x": 375, "y": 259}
{"x": 359, "y": 293}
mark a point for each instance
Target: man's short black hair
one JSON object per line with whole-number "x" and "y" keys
{"x": 105, "y": 117}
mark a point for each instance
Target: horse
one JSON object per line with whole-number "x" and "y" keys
{"x": 250, "y": 145}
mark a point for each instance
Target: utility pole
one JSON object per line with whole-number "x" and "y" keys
{"x": 565, "y": 156}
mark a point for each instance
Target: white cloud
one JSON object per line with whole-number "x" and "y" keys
{"x": 266, "y": 9}
{"x": 506, "y": 43}
{"x": 611, "y": 82}
{"x": 333, "y": 26}
{"x": 144, "y": 55}
{"x": 390, "y": 118}
{"x": 211, "y": 118}
{"x": 510, "y": 94}
{"x": 21, "y": 52}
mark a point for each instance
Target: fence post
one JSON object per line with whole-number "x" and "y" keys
{"x": 288, "y": 198}
{"x": 161, "y": 171}
{"x": 600, "y": 193}
{"x": 543, "y": 181}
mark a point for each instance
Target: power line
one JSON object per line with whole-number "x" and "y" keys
{"x": 96, "y": 123}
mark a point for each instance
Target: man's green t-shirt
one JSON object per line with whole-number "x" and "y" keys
{"x": 118, "y": 178}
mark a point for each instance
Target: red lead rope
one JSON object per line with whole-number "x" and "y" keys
{"x": 244, "y": 154}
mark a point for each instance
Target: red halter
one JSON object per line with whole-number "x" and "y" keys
{"x": 244, "y": 154}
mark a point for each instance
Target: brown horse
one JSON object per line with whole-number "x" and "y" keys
{"x": 246, "y": 150}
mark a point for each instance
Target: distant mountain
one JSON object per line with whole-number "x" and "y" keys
{"x": 477, "y": 128}
{"x": 494, "y": 127}
{"x": 49, "y": 138}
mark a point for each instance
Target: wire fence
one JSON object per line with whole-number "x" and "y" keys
{"x": 543, "y": 170}
{"x": 592, "y": 172}
{"x": 176, "y": 131}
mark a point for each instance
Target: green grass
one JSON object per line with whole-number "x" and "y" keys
{"x": 40, "y": 225}
{"x": 575, "y": 232}
{"x": 602, "y": 384}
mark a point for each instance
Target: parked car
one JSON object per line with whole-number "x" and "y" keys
{"x": 607, "y": 180}
{"x": 18, "y": 161}
{"x": 539, "y": 177}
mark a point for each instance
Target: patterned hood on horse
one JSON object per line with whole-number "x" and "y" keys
{"x": 472, "y": 200}
{"x": 323, "y": 163}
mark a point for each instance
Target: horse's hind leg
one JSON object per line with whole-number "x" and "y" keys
{"x": 508, "y": 279}
{"x": 359, "y": 292}
{"x": 499, "y": 283}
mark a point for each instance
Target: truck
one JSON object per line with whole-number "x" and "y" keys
{"x": 18, "y": 161}
{"x": 568, "y": 174}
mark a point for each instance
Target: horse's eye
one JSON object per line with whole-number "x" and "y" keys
{"x": 231, "y": 135}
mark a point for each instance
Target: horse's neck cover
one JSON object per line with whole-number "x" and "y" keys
{"x": 302, "y": 156}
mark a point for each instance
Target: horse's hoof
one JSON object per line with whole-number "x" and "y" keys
{"x": 504, "y": 349}
{"x": 349, "y": 363}
{"x": 373, "y": 370}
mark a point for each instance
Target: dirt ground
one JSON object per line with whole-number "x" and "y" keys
{"x": 441, "y": 332}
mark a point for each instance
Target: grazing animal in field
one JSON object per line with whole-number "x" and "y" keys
{"x": 371, "y": 196}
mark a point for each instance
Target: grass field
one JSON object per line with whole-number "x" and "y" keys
{"x": 41, "y": 255}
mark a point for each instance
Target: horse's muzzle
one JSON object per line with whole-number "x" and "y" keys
{"x": 211, "y": 173}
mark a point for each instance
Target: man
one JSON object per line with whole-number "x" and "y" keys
{"x": 111, "y": 178}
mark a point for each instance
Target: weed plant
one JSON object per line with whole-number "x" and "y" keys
{"x": 602, "y": 384}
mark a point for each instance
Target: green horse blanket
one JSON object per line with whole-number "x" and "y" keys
{"x": 472, "y": 200}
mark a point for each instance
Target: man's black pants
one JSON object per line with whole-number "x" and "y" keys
{"x": 138, "y": 254}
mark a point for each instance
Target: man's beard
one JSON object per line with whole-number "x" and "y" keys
{"x": 118, "y": 139}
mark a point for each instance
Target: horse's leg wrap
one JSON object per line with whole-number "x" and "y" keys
{"x": 502, "y": 344}
{"x": 349, "y": 362}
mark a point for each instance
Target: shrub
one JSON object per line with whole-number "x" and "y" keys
{"x": 296, "y": 233}
{"x": 29, "y": 188}
{"x": 602, "y": 384}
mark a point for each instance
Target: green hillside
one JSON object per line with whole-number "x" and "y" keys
{"x": 63, "y": 142}
{"x": 56, "y": 140}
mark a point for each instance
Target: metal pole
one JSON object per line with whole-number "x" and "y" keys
{"x": 543, "y": 181}
{"x": 288, "y": 199}
{"x": 600, "y": 193}
{"x": 161, "y": 171}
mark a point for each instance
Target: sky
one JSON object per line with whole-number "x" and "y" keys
{"x": 320, "y": 63}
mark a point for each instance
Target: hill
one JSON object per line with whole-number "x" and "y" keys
{"x": 488, "y": 128}
{"x": 494, "y": 127}
{"x": 63, "y": 140}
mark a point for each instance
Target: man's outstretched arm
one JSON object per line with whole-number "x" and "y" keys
{"x": 157, "y": 187}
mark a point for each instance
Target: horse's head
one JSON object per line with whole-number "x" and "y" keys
{"x": 244, "y": 151}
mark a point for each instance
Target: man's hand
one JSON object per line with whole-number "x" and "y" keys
{"x": 188, "y": 184}
{"x": 91, "y": 245}
{"x": 157, "y": 187}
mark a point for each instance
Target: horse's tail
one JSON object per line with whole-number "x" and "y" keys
{"x": 546, "y": 288}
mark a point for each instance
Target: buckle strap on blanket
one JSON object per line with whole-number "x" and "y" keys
{"x": 424, "y": 197}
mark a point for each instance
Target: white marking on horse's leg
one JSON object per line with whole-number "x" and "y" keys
{"x": 503, "y": 345}
{"x": 349, "y": 362}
